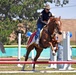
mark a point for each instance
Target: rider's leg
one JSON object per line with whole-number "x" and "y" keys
{"x": 37, "y": 33}
{"x": 37, "y": 36}
{"x": 39, "y": 27}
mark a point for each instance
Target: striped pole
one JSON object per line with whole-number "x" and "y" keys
{"x": 38, "y": 62}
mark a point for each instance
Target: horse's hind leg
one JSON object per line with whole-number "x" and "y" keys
{"x": 36, "y": 57}
{"x": 27, "y": 54}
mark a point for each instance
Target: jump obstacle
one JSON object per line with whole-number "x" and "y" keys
{"x": 19, "y": 51}
{"x": 64, "y": 53}
{"x": 38, "y": 62}
{"x": 63, "y": 61}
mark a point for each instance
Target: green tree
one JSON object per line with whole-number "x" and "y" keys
{"x": 25, "y": 9}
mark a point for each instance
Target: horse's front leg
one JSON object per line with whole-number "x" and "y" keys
{"x": 26, "y": 58}
{"x": 53, "y": 49}
{"x": 29, "y": 48}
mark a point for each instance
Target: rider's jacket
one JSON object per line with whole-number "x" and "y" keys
{"x": 44, "y": 16}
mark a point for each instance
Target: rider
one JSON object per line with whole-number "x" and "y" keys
{"x": 43, "y": 20}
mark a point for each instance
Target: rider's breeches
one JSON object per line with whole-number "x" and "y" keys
{"x": 37, "y": 34}
{"x": 39, "y": 27}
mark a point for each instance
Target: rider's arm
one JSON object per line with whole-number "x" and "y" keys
{"x": 41, "y": 19}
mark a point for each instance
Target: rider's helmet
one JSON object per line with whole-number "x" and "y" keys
{"x": 47, "y": 6}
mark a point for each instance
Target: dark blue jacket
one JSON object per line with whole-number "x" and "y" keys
{"x": 44, "y": 16}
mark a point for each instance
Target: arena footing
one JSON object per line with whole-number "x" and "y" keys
{"x": 74, "y": 71}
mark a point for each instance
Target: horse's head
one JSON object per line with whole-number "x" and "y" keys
{"x": 55, "y": 24}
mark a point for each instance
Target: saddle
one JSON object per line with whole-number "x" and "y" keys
{"x": 30, "y": 39}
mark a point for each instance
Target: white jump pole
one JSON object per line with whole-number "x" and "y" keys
{"x": 69, "y": 50}
{"x": 64, "y": 46}
{"x": 67, "y": 53}
{"x": 19, "y": 48}
{"x": 68, "y": 46}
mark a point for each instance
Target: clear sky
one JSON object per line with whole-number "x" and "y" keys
{"x": 68, "y": 11}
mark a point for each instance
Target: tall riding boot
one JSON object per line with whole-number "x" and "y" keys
{"x": 37, "y": 41}
{"x": 37, "y": 36}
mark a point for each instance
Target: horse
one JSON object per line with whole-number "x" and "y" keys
{"x": 47, "y": 39}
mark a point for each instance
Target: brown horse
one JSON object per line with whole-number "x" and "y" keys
{"x": 47, "y": 39}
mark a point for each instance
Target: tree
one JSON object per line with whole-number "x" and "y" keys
{"x": 20, "y": 9}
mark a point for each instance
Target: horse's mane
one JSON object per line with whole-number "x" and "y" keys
{"x": 53, "y": 19}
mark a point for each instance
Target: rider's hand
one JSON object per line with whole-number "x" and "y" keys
{"x": 45, "y": 22}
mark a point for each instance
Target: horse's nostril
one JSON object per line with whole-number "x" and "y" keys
{"x": 60, "y": 33}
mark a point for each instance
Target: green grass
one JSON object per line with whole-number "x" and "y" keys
{"x": 41, "y": 74}
{"x": 36, "y": 73}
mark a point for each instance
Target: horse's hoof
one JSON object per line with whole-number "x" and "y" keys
{"x": 53, "y": 53}
{"x": 22, "y": 70}
{"x": 33, "y": 70}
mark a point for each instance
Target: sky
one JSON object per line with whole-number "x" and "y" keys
{"x": 68, "y": 11}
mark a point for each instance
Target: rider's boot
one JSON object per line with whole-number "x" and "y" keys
{"x": 37, "y": 41}
{"x": 37, "y": 36}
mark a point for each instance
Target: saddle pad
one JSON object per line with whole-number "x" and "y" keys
{"x": 31, "y": 37}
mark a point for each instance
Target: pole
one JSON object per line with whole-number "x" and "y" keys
{"x": 67, "y": 50}
{"x": 64, "y": 51}
{"x": 19, "y": 48}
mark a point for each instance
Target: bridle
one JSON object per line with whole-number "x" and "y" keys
{"x": 55, "y": 28}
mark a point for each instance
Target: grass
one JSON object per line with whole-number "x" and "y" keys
{"x": 14, "y": 67}
{"x": 41, "y": 74}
